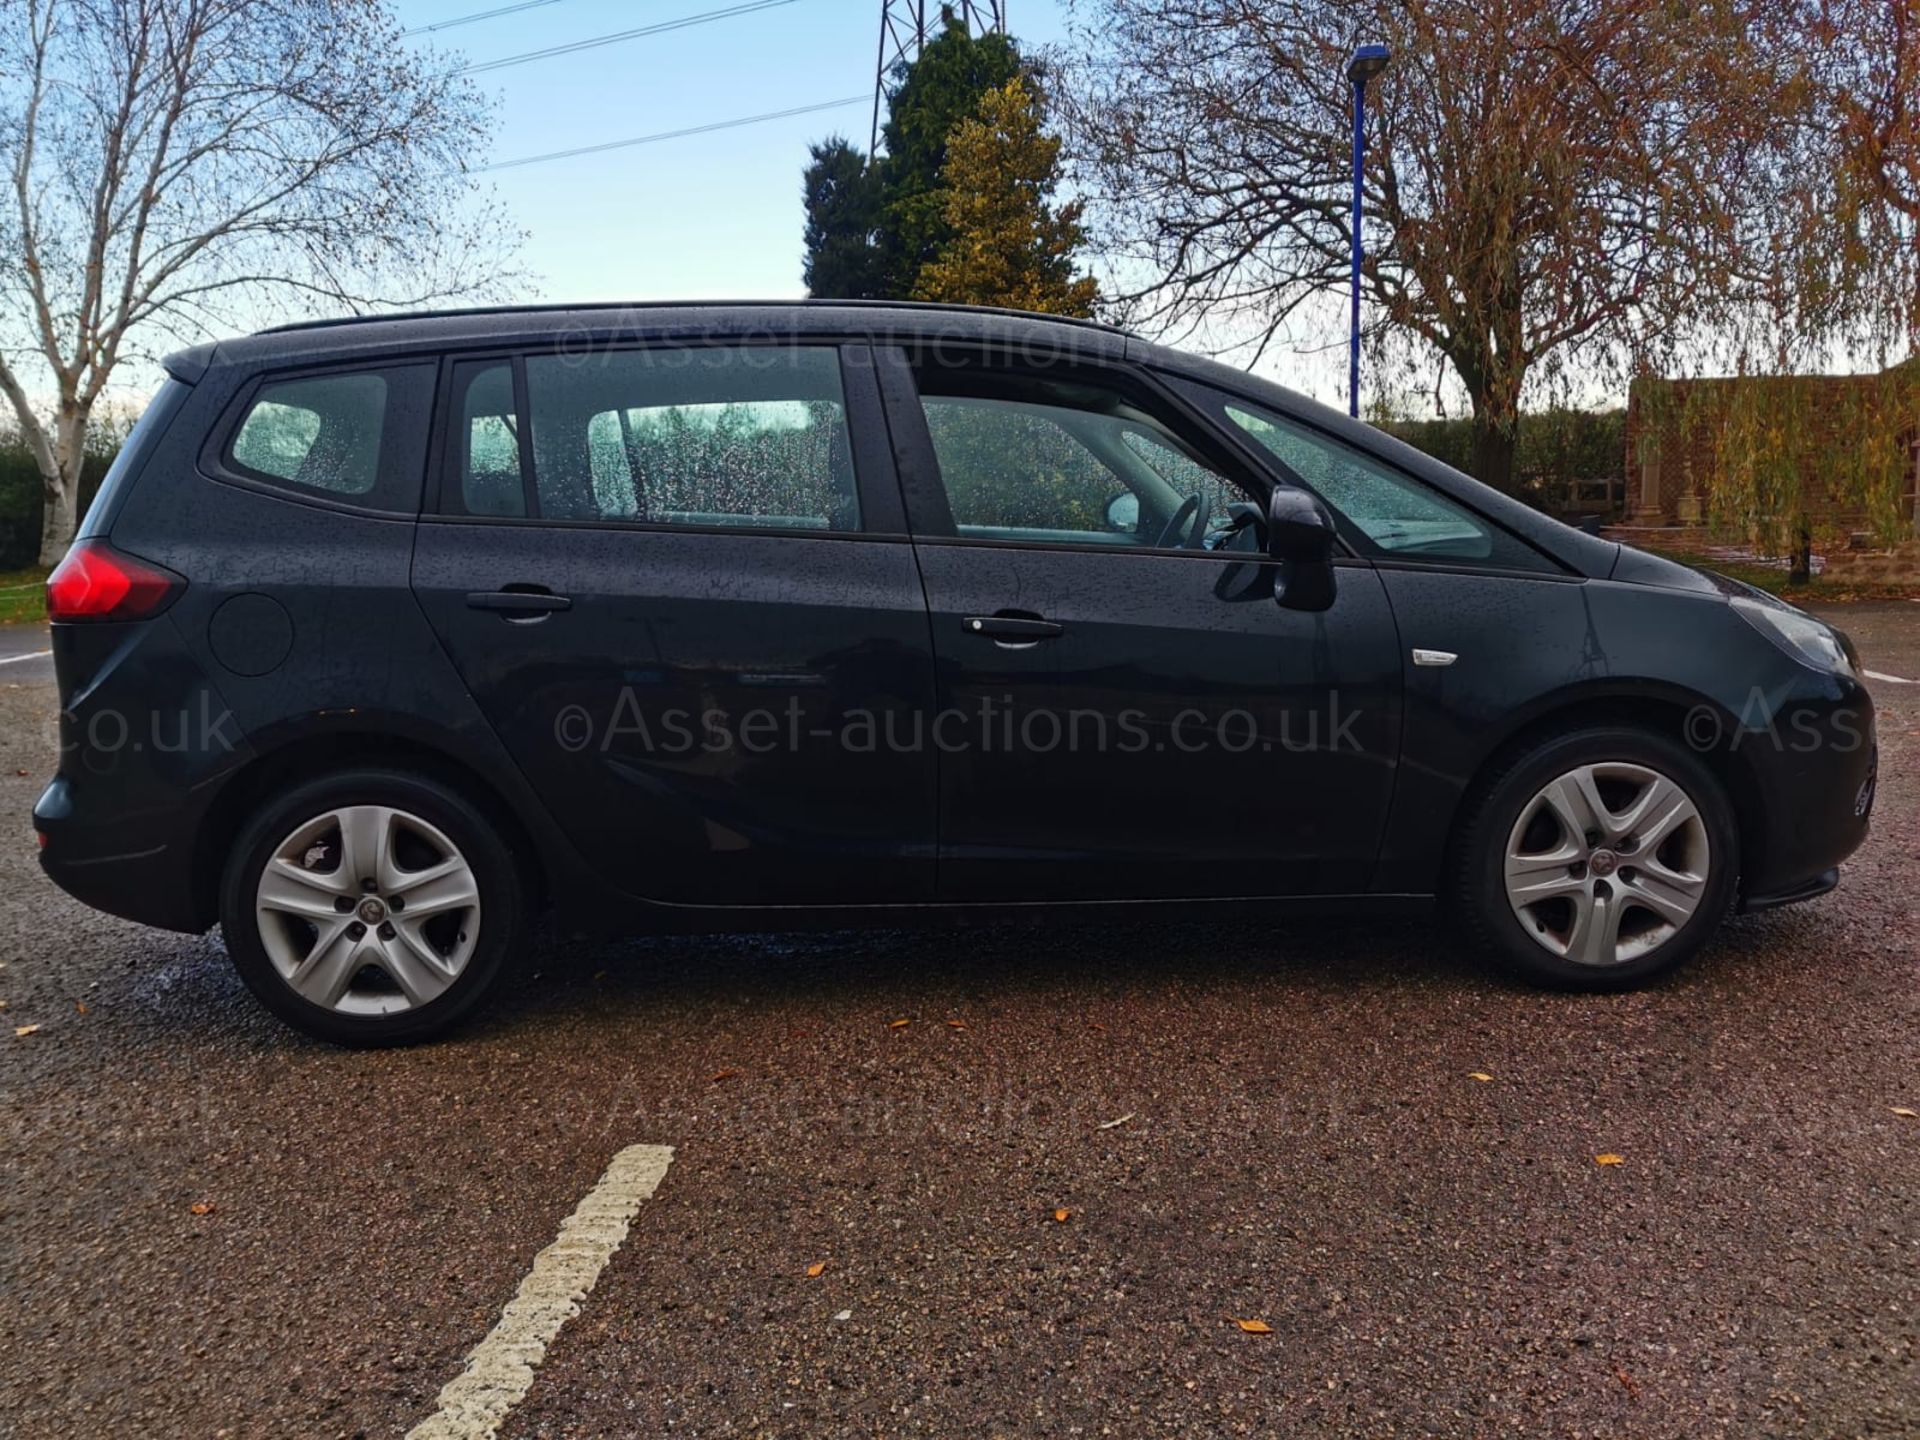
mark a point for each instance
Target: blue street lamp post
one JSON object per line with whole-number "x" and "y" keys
{"x": 1367, "y": 62}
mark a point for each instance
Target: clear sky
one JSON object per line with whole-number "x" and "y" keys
{"x": 706, "y": 215}
{"x": 714, "y": 215}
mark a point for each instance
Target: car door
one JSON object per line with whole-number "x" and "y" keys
{"x": 674, "y": 578}
{"x": 1124, "y": 710}
{"x": 1496, "y": 622}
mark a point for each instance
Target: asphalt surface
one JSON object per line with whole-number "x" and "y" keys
{"x": 1305, "y": 1145}
{"x": 24, "y": 656}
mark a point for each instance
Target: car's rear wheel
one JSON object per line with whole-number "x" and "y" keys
{"x": 1597, "y": 859}
{"x": 373, "y": 907}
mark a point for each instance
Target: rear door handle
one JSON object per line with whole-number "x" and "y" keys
{"x": 518, "y": 604}
{"x": 1011, "y": 627}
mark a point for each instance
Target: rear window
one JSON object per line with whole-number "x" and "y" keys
{"x": 718, "y": 436}
{"x": 354, "y": 436}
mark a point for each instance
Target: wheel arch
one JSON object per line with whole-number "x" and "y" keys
{"x": 1671, "y": 712}
{"x": 309, "y": 755}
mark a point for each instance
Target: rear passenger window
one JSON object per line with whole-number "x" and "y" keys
{"x": 713, "y": 436}
{"x": 489, "y": 439}
{"x": 357, "y": 436}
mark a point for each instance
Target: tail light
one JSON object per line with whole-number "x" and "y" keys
{"x": 98, "y": 582}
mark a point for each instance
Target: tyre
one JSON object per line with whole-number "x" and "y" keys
{"x": 372, "y": 907}
{"x": 1596, "y": 859}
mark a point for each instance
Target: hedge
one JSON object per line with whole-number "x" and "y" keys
{"x": 1557, "y": 449}
{"x": 22, "y": 502}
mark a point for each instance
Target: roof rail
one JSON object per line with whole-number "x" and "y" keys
{"x": 458, "y": 312}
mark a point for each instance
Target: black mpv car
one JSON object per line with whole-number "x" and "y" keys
{"x": 385, "y": 636}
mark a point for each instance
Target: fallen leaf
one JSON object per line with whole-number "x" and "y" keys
{"x": 1063, "y": 1215}
{"x": 1480, "y": 1075}
{"x": 1608, "y": 1159}
{"x": 1627, "y": 1380}
{"x": 957, "y": 1025}
{"x": 1905, "y": 1113}
{"x": 1255, "y": 1327}
{"x": 81, "y": 1006}
{"x": 22, "y": 1031}
{"x": 1096, "y": 1027}
{"x": 1111, "y": 1124}
{"x": 19, "y": 772}
{"x": 201, "y": 1207}
{"x": 725, "y": 1074}
{"x": 899, "y": 1024}
{"x": 816, "y": 1270}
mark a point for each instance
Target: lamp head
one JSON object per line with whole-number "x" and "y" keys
{"x": 1367, "y": 62}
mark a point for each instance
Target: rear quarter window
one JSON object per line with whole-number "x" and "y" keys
{"x": 355, "y": 437}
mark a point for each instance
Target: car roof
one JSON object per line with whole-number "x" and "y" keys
{"x": 366, "y": 337}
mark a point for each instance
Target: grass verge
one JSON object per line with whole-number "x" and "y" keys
{"x": 23, "y": 596}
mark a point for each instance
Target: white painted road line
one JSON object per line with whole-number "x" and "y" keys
{"x": 36, "y": 655}
{"x": 1892, "y": 679}
{"x": 500, "y": 1370}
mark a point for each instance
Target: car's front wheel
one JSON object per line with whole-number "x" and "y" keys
{"x": 372, "y": 907}
{"x": 1598, "y": 859}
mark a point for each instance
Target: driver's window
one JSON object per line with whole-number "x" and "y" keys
{"x": 1187, "y": 475}
{"x": 1046, "y": 460}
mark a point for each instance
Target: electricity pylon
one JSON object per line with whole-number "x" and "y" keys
{"x": 907, "y": 25}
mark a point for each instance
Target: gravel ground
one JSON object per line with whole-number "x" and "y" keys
{"x": 1306, "y": 1144}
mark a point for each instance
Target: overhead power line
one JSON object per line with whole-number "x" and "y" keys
{"x": 674, "y": 134}
{"x": 477, "y": 16}
{"x": 705, "y": 17}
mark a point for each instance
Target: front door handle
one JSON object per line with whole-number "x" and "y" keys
{"x": 518, "y": 604}
{"x": 1020, "y": 629}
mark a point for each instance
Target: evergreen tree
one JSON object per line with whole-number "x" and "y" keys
{"x": 1006, "y": 244}
{"x": 929, "y": 99}
{"x": 843, "y": 214}
{"x": 874, "y": 228}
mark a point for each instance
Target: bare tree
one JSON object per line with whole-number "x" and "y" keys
{"x": 1547, "y": 179}
{"x": 170, "y": 164}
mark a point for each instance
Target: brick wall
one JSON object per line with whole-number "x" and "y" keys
{"x": 1670, "y": 465}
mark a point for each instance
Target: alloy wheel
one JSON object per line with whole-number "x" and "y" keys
{"x": 368, "y": 910}
{"x": 1606, "y": 863}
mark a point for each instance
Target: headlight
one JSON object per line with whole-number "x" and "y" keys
{"x": 1798, "y": 633}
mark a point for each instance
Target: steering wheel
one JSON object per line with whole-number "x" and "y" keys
{"x": 1170, "y": 536}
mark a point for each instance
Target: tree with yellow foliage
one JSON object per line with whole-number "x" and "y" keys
{"x": 1009, "y": 244}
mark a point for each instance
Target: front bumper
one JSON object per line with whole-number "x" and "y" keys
{"x": 1815, "y": 769}
{"x": 1813, "y": 889}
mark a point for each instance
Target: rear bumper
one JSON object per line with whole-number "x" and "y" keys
{"x": 145, "y": 743}
{"x": 134, "y": 872}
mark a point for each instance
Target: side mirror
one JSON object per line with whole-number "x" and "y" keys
{"x": 1123, "y": 511}
{"x": 1300, "y": 534}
